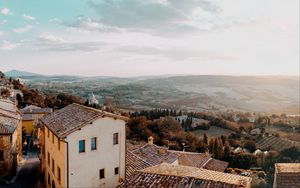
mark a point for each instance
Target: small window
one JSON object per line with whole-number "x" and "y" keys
{"x": 53, "y": 165}
{"x": 1, "y": 155}
{"x": 81, "y": 146}
{"x": 48, "y": 159}
{"x": 116, "y": 170}
{"x": 93, "y": 143}
{"x": 58, "y": 144}
{"x": 102, "y": 174}
{"x": 116, "y": 138}
{"x": 58, "y": 174}
{"x": 48, "y": 133}
{"x": 52, "y": 138}
{"x": 49, "y": 179}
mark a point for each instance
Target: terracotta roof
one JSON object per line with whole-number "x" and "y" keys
{"x": 32, "y": 109}
{"x": 155, "y": 155}
{"x": 75, "y": 116}
{"x": 146, "y": 180}
{"x": 288, "y": 167}
{"x": 167, "y": 175}
{"x": 200, "y": 160}
{"x": 192, "y": 158}
{"x": 142, "y": 155}
{"x": 8, "y": 125}
{"x": 198, "y": 173}
{"x": 134, "y": 163}
{"x": 9, "y": 117}
{"x": 216, "y": 165}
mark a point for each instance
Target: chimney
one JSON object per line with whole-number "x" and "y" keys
{"x": 206, "y": 154}
{"x": 150, "y": 140}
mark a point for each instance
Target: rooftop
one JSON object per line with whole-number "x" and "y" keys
{"x": 155, "y": 155}
{"x": 75, "y": 116}
{"x": 167, "y": 175}
{"x": 32, "y": 109}
{"x": 288, "y": 167}
{"x": 9, "y": 117}
{"x": 198, "y": 173}
{"x": 134, "y": 163}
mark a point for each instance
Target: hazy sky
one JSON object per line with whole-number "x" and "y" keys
{"x": 150, "y": 37}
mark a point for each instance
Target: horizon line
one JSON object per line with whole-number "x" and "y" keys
{"x": 157, "y": 75}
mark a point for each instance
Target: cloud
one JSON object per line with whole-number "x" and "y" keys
{"x": 55, "y": 20}
{"x": 49, "y": 42}
{"x": 5, "y": 11}
{"x": 49, "y": 38}
{"x": 7, "y": 45}
{"x": 28, "y": 17}
{"x": 23, "y": 29}
{"x": 177, "y": 54}
{"x": 2, "y": 33}
{"x": 152, "y": 15}
{"x": 88, "y": 24}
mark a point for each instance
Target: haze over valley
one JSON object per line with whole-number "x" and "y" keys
{"x": 186, "y": 92}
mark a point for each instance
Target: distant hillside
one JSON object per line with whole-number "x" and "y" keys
{"x": 191, "y": 93}
{"x": 17, "y": 73}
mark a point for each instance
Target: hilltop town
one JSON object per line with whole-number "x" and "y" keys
{"x": 63, "y": 140}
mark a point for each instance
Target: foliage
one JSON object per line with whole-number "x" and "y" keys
{"x": 250, "y": 145}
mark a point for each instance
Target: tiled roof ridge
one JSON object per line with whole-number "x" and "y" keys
{"x": 206, "y": 162}
{"x": 15, "y": 112}
{"x": 5, "y": 115}
{"x": 109, "y": 114}
{"x": 140, "y": 147}
{"x": 240, "y": 180}
{"x": 73, "y": 129}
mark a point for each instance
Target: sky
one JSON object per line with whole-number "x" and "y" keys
{"x": 150, "y": 37}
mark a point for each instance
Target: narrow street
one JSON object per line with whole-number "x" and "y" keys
{"x": 27, "y": 175}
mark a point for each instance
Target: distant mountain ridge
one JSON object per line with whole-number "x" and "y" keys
{"x": 18, "y": 73}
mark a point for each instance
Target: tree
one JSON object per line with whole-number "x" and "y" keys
{"x": 211, "y": 145}
{"x": 292, "y": 153}
{"x": 227, "y": 153}
{"x": 205, "y": 139}
{"x": 5, "y": 93}
{"x": 250, "y": 145}
{"x": 218, "y": 151}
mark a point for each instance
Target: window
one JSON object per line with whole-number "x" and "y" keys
{"x": 53, "y": 165}
{"x": 48, "y": 159}
{"x": 93, "y": 143}
{"x": 116, "y": 138}
{"x": 116, "y": 170}
{"x": 81, "y": 146}
{"x": 49, "y": 179}
{"x": 52, "y": 138}
{"x": 1, "y": 155}
{"x": 101, "y": 174}
{"x": 58, "y": 144}
{"x": 48, "y": 132}
{"x": 58, "y": 174}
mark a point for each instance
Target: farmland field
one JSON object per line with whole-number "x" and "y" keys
{"x": 276, "y": 143}
{"x": 213, "y": 132}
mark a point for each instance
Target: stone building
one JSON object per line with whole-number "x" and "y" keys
{"x": 10, "y": 139}
{"x": 83, "y": 147}
{"x": 287, "y": 175}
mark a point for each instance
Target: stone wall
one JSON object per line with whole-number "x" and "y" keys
{"x": 9, "y": 164}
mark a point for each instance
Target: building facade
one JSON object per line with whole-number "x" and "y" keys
{"x": 10, "y": 139}
{"x": 287, "y": 175}
{"x": 83, "y": 147}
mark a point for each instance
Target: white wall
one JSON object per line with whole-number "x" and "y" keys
{"x": 84, "y": 167}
